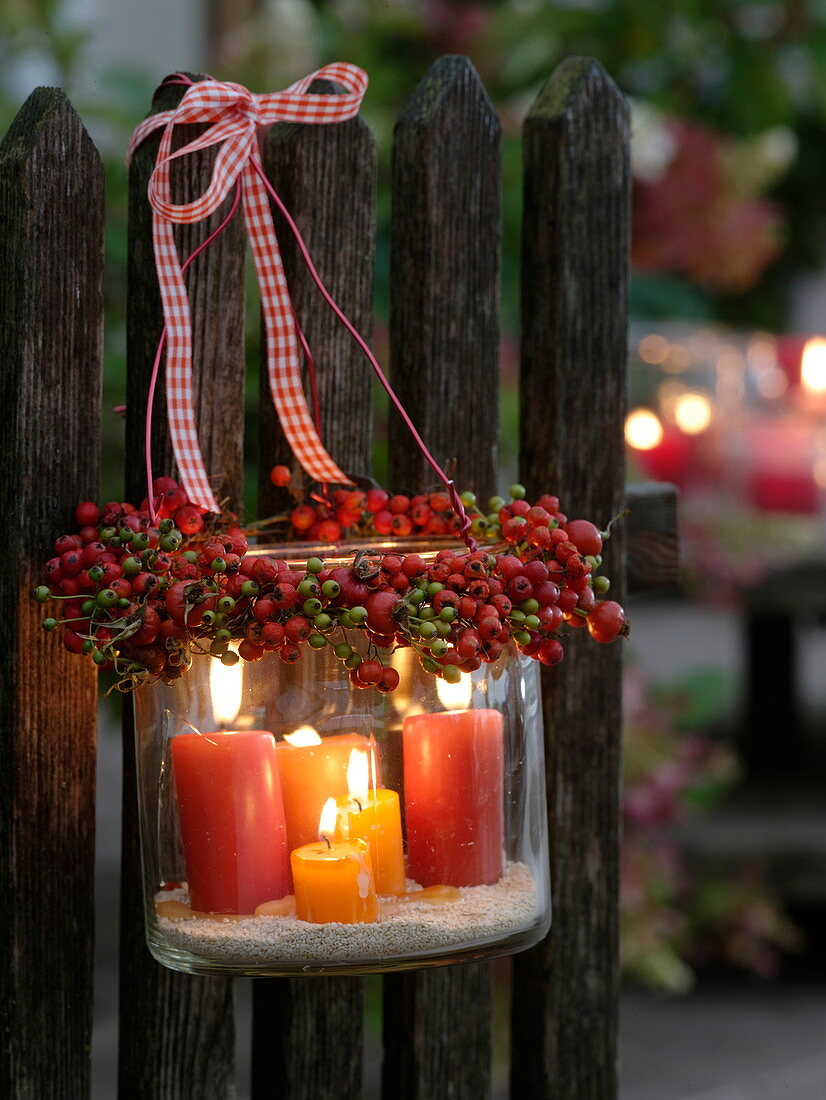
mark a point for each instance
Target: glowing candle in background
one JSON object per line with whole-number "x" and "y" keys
{"x": 453, "y": 792}
{"x": 373, "y": 815}
{"x": 313, "y": 769}
{"x": 333, "y": 879}
{"x": 230, "y": 809}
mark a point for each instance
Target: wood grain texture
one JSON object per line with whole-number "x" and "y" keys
{"x": 444, "y": 280}
{"x": 574, "y": 318}
{"x": 444, "y": 338}
{"x": 307, "y": 1035}
{"x": 51, "y": 259}
{"x": 652, "y": 536}
{"x": 176, "y": 1030}
{"x": 326, "y": 177}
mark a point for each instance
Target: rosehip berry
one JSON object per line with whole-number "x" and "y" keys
{"x": 250, "y": 652}
{"x": 281, "y": 476}
{"x": 377, "y": 500}
{"x": 399, "y": 504}
{"x": 289, "y": 653}
{"x": 606, "y": 622}
{"x": 188, "y": 520}
{"x": 401, "y": 525}
{"x": 303, "y": 517}
{"x": 383, "y": 522}
{"x": 297, "y": 629}
{"x": 584, "y": 535}
{"x": 551, "y": 652}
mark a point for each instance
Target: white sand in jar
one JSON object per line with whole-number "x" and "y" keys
{"x": 481, "y": 913}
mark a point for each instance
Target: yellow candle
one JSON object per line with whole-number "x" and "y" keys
{"x": 334, "y": 881}
{"x": 374, "y": 817}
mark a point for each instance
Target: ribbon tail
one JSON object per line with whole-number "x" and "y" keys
{"x": 283, "y": 363}
{"x": 182, "y": 430}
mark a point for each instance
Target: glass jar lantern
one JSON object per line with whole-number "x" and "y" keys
{"x": 291, "y": 824}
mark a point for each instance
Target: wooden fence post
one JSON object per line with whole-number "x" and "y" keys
{"x": 51, "y": 259}
{"x": 574, "y": 352}
{"x": 176, "y": 1030}
{"x": 307, "y": 1035}
{"x": 444, "y": 340}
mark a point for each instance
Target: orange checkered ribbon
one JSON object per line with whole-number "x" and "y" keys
{"x": 234, "y": 115}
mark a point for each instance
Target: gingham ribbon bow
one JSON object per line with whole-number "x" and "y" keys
{"x": 234, "y": 115}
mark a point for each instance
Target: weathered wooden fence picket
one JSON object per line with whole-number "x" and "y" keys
{"x": 176, "y": 1030}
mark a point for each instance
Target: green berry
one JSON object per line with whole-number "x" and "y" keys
{"x": 315, "y": 565}
{"x": 478, "y": 526}
{"x": 131, "y": 565}
{"x": 317, "y": 641}
{"x": 96, "y": 574}
{"x": 451, "y": 674}
{"x": 517, "y": 616}
{"x": 87, "y": 647}
{"x": 495, "y": 504}
{"x": 522, "y": 637}
{"x": 230, "y": 658}
{"x": 50, "y": 624}
{"x": 442, "y": 628}
{"x": 429, "y": 665}
{"x": 106, "y": 534}
{"x": 322, "y": 622}
{"x": 226, "y": 604}
{"x": 517, "y": 492}
{"x": 601, "y": 585}
{"x": 223, "y": 635}
{"x": 88, "y": 607}
{"x": 416, "y": 597}
{"x": 427, "y": 612}
{"x": 343, "y": 650}
{"x": 169, "y": 543}
{"x": 166, "y": 525}
{"x": 190, "y": 555}
{"x": 312, "y": 607}
{"x": 427, "y": 630}
{"x": 358, "y": 614}
{"x": 447, "y": 614}
{"x": 218, "y": 649}
{"x": 345, "y": 620}
{"x": 218, "y": 565}
{"x": 249, "y": 588}
{"x": 123, "y": 602}
{"x": 308, "y": 587}
{"x": 140, "y": 539}
{"x": 330, "y": 589}
{"x": 439, "y": 647}
{"x": 107, "y": 598}
{"x": 532, "y": 623}
{"x": 434, "y": 588}
{"x": 353, "y": 661}
{"x": 209, "y": 617}
{"x": 530, "y": 606}
{"x": 99, "y": 657}
{"x": 42, "y": 593}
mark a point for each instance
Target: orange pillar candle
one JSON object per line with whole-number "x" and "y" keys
{"x": 373, "y": 816}
{"x": 334, "y": 880}
{"x": 453, "y": 797}
{"x": 232, "y": 819}
{"x": 312, "y": 770}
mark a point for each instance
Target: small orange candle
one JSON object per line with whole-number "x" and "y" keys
{"x": 374, "y": 817}
{"x": 312, "y": 769}
{"x": 333, "y": 881}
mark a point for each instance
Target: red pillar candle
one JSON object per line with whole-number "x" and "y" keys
{"x": 232, "y": 819}
{"x": 453, "y": 796}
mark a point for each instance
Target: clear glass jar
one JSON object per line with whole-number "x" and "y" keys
{"x": 291, "y": 824}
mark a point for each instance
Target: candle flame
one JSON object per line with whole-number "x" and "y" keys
{"x": 455, "y": 696}
{"x": 813, "y": 365}
{"x": 357, "y": 775}
{"x": 327, "y": 822}
{"x": 226, "y": 685}
{"x": 303, "y": 737}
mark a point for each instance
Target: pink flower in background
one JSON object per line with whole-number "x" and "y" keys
{"x": 698, "y": 216}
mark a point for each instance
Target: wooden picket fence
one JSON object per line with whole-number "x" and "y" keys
{"x": 176, "y": 1030}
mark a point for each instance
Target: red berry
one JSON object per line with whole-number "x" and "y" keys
{"x": 520, "y": 588}
{"x": 383, "y": 522}
{"x": 248, "y": 651}
{"x": 280, "y": 476}
{"x": 401, "y": 525}
{"x": 606, "y": 622}
{"x": 389, "y": 680}
{"x": 272, "y": 634}
{"x": 585, "y": 536}
{"x": 370, "y": 672}
{"x": 289, "y": 653}
{"x": 188, "y": 520}
{"x": 264, "y": 610}
{"x": 380, "y": 607}
{"x": 399, "y": 504}
{"x": 302, "y": 518}
{"x": 551, "y": 652}
{"x": 568, "y": 600}
{"x": 414, "y": 565}
{"x": 439, "y": 502}
{"x": 297, "y": 629}
{"x": 376, "y": 500}
{"x": 87, "y": 514}
{"x": 66, "y": 543}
